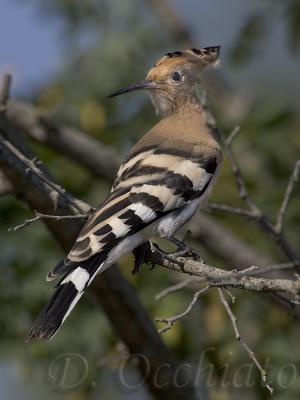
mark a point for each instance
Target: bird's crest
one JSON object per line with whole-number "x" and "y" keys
{"x": 203, "y": 57}
{"x": 189, "y": 59}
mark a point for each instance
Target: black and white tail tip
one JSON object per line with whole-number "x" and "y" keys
{"x": 67, "y": 293}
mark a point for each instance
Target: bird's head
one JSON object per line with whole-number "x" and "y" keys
{"x": 172, "y": 80}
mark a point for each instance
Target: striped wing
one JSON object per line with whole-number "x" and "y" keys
{"x": 150, "y": 184}
{"x": 124, "y": 213}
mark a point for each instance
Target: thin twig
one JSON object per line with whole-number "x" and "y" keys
{"x": 287, "y": 197}
{"x": 101, "y": 159}
{"x": 254, "y": 211}
{"x": 39, "y": 216}
{"x": 250, "y": 353}
{"x": 273, "y": 268}
{"x": 5, "y": 91}
{"x": 5, "y": 185}
{"x": 170, "y": 321}
{"x": 232, "y": 297}
{"x": 176, "y": 287}
{"x": 237, "y": 171}
{"x": 31, "y": 168}
{"x": 233, "y": 210}
{"x": 232, "y": 136}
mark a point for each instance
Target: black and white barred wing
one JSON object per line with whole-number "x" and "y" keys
{"x": 151, "y": 183}
{"x": 123, "y": 215}
{"x": 149, "y": 186}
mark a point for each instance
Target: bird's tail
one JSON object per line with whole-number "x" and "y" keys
{"x": 67, "y": 293}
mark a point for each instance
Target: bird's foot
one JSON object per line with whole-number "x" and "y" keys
{"x": 140, "y": 257}
{"x": 184, "y": 250}
{"x": 162, "y": 254}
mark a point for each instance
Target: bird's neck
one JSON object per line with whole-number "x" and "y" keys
{"x": 189, "y": 123}
{"x": 167, "y": 104}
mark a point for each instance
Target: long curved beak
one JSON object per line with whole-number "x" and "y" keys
{"x": 145, "y": 84}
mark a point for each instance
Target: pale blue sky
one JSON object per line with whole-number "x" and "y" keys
{"x": 29, "y": 44}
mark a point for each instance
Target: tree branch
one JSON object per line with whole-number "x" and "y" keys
{"x": 39, "y": 216}
{"x": 30, "y": 170}
{"x": 5, "y": 186}
{"x": 253, "y": 210}
{"x": 171, "y": 320}
{"x": 102, "y": 160}
{"x": 287, "y": 197}
{"x": 5, "y": 91}
{"x": 238, "y": 336}
{"x": 242, "y": 279}
{"x": 223, "y": 243}
{"x": 178, "y": 286}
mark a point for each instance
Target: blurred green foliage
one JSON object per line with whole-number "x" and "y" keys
{"x": 108, "y": 44}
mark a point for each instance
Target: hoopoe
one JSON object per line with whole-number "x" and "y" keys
{"x": 159, "y": 186}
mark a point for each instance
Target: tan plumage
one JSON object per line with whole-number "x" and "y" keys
{"x": 160, "y": 184}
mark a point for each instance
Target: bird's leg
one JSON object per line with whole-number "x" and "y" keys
{"x": 140, "y": 253}
{"x": 164, "y": 256}
{"x": 180, "y": 245}
{"x": 183, "y": 250}
{"x": 140, "y": 256}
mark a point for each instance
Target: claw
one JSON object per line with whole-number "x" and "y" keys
{"x": 183, "y": 250}
{"x": 139, "y": 255}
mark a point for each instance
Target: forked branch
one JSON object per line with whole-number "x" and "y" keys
{"x": 238, "y": 336}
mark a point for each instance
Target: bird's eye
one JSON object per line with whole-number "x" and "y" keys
{"x": 176, "y": 76}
